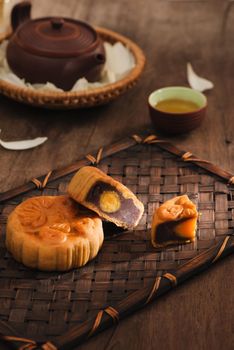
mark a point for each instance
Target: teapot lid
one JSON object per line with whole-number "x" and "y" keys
{"x": 56, "y": 37}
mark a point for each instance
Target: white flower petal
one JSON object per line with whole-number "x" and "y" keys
{"x": 108, "y": 77}
{"x": 46, "y": 87}
{"x": 196, "y": 82}
{"x": 23, "y": 144}
{"x": 81, "y": 84}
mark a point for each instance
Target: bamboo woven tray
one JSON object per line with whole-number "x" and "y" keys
{"x": 82, "y": 99}
{"x": 61, "y": 310}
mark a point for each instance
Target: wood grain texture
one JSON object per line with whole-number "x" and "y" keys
{"x": 198, "y": 315}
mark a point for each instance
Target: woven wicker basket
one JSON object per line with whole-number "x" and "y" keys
{"x": 81, "y": 99}
{"x": 5, "y": 34}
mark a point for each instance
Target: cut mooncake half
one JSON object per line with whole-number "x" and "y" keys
{"x": 175, "y": 221}
{"x": 51, "y": 233}
{"x": 110, "y": 199}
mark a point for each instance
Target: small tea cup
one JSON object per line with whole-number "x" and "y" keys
{"x": 177, "y": 122}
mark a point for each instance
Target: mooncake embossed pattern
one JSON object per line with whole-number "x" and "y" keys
{"x": 52, "y": 233}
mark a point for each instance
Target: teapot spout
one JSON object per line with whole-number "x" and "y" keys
{"x": 99, "y": 58}
{"x": 20, "y": 13}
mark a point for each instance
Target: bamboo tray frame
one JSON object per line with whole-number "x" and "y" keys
{"x": 222, "y": 181}
{"x": 82, "y": 99}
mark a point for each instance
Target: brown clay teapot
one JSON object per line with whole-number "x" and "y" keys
{"x": 58, "y": 50}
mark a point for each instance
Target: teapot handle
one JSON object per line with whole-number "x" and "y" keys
{"x": 20, "y": 13}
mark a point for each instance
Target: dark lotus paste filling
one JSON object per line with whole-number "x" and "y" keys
{"x": 127, "y": 212}
{"x": 165, "y": 232}
{"x": 110, "y": 229}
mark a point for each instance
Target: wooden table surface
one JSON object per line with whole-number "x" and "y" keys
{"x": 200, "y": 314}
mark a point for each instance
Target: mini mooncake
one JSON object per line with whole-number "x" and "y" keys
{"x": 110, "y": 199}
{"x": 175, "y": 221}
{"x": 51, "y": 233}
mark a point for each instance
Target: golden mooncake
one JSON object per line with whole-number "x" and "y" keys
{"x": 51, "y": 233}
{"x": 175, "y": 221}
{"x": 110, "y": 199}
